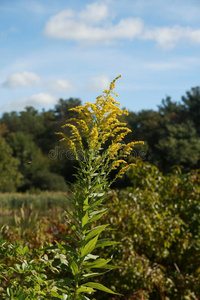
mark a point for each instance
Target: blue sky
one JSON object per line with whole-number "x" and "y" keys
{"x": 51, "y": 49}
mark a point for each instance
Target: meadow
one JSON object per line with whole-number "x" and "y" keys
{"x": 155, "y": 219}
{"x": 42, "y": 203}
{"x": 121, "y": 230}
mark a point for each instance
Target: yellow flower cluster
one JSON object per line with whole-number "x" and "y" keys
{"x": 99, "y": 123}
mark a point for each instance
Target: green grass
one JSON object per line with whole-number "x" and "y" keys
{"x": 41, "y": 201}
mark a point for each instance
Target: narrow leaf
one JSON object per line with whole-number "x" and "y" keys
{"x": 89, "y": 247}
{"x": 85, "y": 202}
{"x": 85, "y": 219}
{"x": 63, "y": 236}
{"x": 90, "y": 256}
{"x": 91, "y": 275}
{"x": 100, "y": 287}
{"x": 95, "y": 231}
{"x": 99, "y": 263}
{"x": 105, "y": 243}
{"x": 98, "y": 215}
{"x": 74, "y": 268}
{"x": 64, "y": 281}
{"x": 85, "y": 289}
{"x": 95, "y": 203}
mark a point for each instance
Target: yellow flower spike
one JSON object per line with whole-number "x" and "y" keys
{"x": 98, "y": 123}
{"x": 80, "y": 124}
{"x": 94, "y": 138}
{"x": 112, "y": 151}
{"x": 75, "y": 134}
{"x": 106, "y": 91}
{"x": 112, "y": 85}
{"x": 120, "y": 136}
{"x": 84, "y": 113}
{"x": 116, "y": 164}
{"x": 68, "y": 141}
{"x": 127, "y": 149}
{"x": 123, "y": 170}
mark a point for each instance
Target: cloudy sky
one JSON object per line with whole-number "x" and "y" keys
{"x": 51, "y": 49}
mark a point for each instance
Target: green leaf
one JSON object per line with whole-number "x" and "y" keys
{"x": 22, "y": 251}
{"x": 95, "y": 231}
{"x": 105, "y": 243}
{"x": 111, "y": 267}
{"x": 66, "y": 247}
{"x": 70, "y": 212}
{"x": 64, "y": 237}
{"x": 99, "y": 263}
{"x": 64, "y": 281}
{"x": 69, "y": 249}
{"x": 74, "y": 268}
{"x": 85, "y": 289}
{"x": 100, "y": 287}
{"x": 49, "y": 248}
{"x": 89, "y": 247}
{"x": 96, "y": 203}
{"x": 10, "y": 292}
{"x": 98, "y": 186}
{"x": 62, "y": 258}
{"x": 85, "y": 219}
{"x": 98, "y": 214}
{"x": 91, "y": 275}
{"x": 85, "y": 203}
{"x": 91, "y": 256}
{"x": 83, "y": 297}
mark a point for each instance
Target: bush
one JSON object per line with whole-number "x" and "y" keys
{"x": 158, "y": 223}
{"x": 45, "y": 180}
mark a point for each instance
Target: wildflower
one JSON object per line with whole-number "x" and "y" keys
{"x": 98, "y": 123}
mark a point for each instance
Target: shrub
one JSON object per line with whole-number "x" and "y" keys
{"x": 158, "y": 224}
{"x": 45, "y": 180}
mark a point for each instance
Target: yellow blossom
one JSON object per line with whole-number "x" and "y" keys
{"x": 68, "y": 141}
{"x": 98, "y": 123}
{"x": 116, "y": 164}
{"x": 123, "y": 170}
{"x": 93, "y": 139}
{"x": 128, "y": 148}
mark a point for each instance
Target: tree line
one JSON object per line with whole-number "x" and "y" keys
{"x": 31, "y": 157}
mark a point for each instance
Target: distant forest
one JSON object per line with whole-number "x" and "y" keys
{"x": 31, "y": 157}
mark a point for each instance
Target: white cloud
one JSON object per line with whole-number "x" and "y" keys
{"x": 41, "y": 99}
{"x": 168, "y": 37}
{"x": 82, "y": 27}
{"x": 22, "y": 79}
{"x": 38, "y": 101}
{"x": 98, "y": 83}
{"x": 62, "y": 85}
{"x": 95, "y": 25}
{"x": 94, "y": 13}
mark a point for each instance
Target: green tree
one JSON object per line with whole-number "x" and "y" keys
{"x": 10, "y": 176}
{"x": 11, "y": 120}
{"x": 29, "y": 155}
{"x": 191, "y": 103}
{"x": 28, "y": 121}
{"x": 179, "y": 146}
{"x": 168, "y": 106}
{"x": 3, "y": 130}
{"x": 62, "y": 108}
{"x": 147, "y": 125}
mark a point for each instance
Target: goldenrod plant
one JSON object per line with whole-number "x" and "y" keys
{"x": 96, "y": 140}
